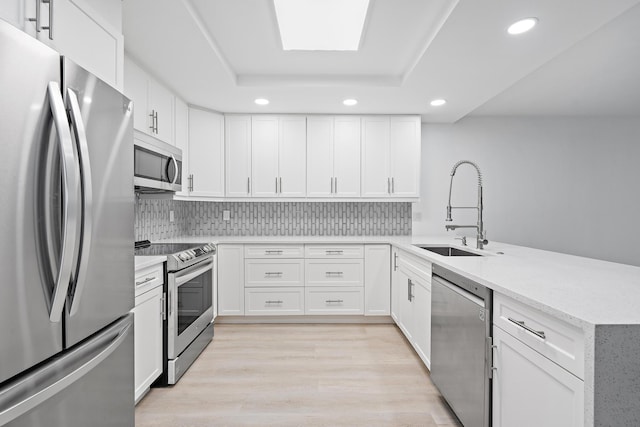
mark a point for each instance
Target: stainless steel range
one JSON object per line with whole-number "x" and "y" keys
{"x": 189, "y": 289}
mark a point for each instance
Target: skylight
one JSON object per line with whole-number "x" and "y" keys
{"x": 321, "y": 24}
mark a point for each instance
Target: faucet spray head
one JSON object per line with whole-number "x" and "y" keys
{"x": 449, "y": 213}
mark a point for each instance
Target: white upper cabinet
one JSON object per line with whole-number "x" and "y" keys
{"x": 153, "y": 104}
{"x": 237, "y": 148}
{"x": 278, "y": 156}
{"x": 206, "y": 154}
{"x": 181, "y": 140}
{"x": 404, "y": 156}
{"x": 333, "y": 158}
{"x": 76, "y": 30}
{"x": 391, "y": 156}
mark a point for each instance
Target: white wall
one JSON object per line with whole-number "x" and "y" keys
{"x": 568, "y": 185}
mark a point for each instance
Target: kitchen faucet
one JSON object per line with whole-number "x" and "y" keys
{"x": 481, "y": 236}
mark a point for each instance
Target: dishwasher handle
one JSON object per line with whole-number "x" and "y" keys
{"x": 462, "y": 292}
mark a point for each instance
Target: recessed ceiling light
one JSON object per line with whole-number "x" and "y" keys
{"x": 261, "y": 101}
{"x": 522, "y": 26}
{"x": 438, "y": 102}
{"x": 350, "y": 102}
{"x": 321, "y": 24}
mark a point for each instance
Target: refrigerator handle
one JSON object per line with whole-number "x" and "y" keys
{"x": 71, "y": 185}
{"x": 86, "y": 189}
{"x": 52, "y": 378}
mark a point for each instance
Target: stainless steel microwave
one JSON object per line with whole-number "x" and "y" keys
{"x": 157, "y": 166}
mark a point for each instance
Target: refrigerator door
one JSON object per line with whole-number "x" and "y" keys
{"x": 31, "y": 202}
{"x": 88, "y": 385}
{"x": 102, "y": 285}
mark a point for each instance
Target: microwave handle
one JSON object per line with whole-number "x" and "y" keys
{"x": 175, "y": 163}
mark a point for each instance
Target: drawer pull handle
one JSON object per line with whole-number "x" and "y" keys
{"x": 527, "y": 328}
{"x": 340, "y": 252}
{"x": 273, "y": 302}
{"x": 334, "y": 273}
{"x": 146, "y": 280}
{"x": 334, "y": 301}
{"x": 274, "y": 252}
{"x": 273, "y": 273}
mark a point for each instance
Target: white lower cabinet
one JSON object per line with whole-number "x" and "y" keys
{"x": 148, "y": 312}
{"x": 230, "y": 280}
{"x": 411, "y": 301}
{"x": 263, "y": 301}
{"x": 530, "y": 390}
{"x": 334, "y": 300}
{"x": 377, "y": 280}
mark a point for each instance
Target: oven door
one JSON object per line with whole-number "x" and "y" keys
{"x": 189, "y": 305}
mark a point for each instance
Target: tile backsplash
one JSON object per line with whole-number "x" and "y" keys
{"x": 152, "y": 219}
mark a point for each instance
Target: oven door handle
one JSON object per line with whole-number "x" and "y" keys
{"x": 187, "y": 274}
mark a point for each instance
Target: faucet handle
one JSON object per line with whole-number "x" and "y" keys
{"x": 464, "y": 240}
{"x": 484, "y": 237}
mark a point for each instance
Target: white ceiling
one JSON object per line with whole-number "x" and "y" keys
{"x": 582, "y": 58}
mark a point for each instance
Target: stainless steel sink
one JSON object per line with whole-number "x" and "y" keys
{"x": 447, "y": 250}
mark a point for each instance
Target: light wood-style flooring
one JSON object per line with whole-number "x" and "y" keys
{"x": 301, "y": 375}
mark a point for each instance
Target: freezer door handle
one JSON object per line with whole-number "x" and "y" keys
{"x": 86, "y": 189}
{"x": 40, "y": 385}
{"x": 71, "y": 186}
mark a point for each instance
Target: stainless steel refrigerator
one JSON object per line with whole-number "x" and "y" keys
{"x": 66, "y": 243}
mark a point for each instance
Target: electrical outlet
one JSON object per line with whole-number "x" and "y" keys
{"x": 171, "y": 216}
{"x": 226, "y": 215}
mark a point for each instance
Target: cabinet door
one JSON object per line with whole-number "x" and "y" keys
{"x": 148, "y": 340}
{"x": 206, "y": 153}
{"x": 319, "y": 156}
{"x": 136, "y": 89}
{"x": 181, "y": 140}
{"x": 405, "y": 306}
{"x": 404, "y": 155}
{"x": 230, "y": 280}
{"x": 237, "y": 148}
{"x": 376, "y": 180}
{"x": 161, "y": 103}
{"x": 13, "y": 11}
{"x": 422, "y": 321}
{"x": 264, "y": 156}
{"x": 529, "y": 390}
{"x": 81, "y": 34}
{"x": 292, "y": 153}
{"x": 346, "y": 156}
{"x": 377, "y": 280}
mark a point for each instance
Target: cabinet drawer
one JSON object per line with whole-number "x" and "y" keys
{"x": 334, "y": 251}
{"x": 336, "y": 272}
{"x": 273, "y": 272}
{"x": 558, "y": 340}
{"x": 271, "y": 251}
{"x": 148, "y": 278}
{"x": 325, "y": 300}
{"x": 274, "y": 301}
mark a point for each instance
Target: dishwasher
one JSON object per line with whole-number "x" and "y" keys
{"x": 461, "y": 346}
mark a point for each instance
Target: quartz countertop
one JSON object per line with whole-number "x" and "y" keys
{"x": 583, "y": 291}
{"x": 141, "y": 262}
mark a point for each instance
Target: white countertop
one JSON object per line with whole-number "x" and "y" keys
{"x": 141, "y": 262}
{"x": 580, "y": 290}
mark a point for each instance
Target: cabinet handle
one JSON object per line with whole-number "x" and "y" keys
{"x": 331, "y": 185}
{"x": 280, "y": 180}
{"x": 527, "y": 328}
{"x": 273, "y": 273}
{"x": 409, "y": 290}
{"x": 156, "y": 123}
{"x": 191, "y": 182}
{"x": 248, "y": 185}
{"x": 395, "y": 261}
{"x": 393, "y": 185}
{"x": 50, "y": 27}
{"x": 339, "y": 252}
{"x": 146, "y": 280}
{"x": 334, "y": 273}
{"x": 163, "y": 311}
{"x": 37, "y": 18}
{"x": 153, "y": 121}
{"x": 273, "y": 302}
{"x": 276, "y": 185}
{"x": 389, "y": 185}
{"x": 334, "y": 301}
{"x": 273, "y": 252}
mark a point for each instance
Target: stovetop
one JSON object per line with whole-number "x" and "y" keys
{"x": 179, "y": 255}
